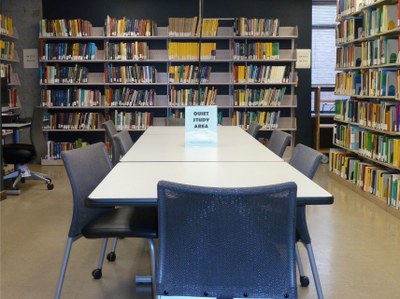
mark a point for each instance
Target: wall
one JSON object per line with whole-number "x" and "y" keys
{"x": 290, "y": 12}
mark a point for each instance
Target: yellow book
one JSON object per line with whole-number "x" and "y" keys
{"x": 9, "y": 26}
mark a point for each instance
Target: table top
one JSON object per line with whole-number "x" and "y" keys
{"x": 167, "y": 144}
{"x": 135, "y": 183}
{"x": 15, "y": 125}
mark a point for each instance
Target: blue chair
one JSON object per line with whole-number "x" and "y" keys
{"x": 86, "y": 168}
{"x": 226, "y": 242}
{"x": 124, "y": 141}
{"x": 278, "y": 142}
{"x": 111, "y": 130}
{"x": 306, "y": 160}
{"x": 254, "y": 128}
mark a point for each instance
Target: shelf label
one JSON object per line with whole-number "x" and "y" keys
{"x": 303, "y": 59}
{"x": 201, "y": 126}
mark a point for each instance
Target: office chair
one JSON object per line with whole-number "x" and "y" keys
{"x": 124, "y": 141}
{"x": 306, "y": 160}
{"x": 20, "y": 154}
{"x": 175, "y": 122}
{"x": 86, "y": 167}
{"x": 254, "y": 128}
{"x": 226, "y": 242}
{"x": 111, "y": 130}
{"x": 278, "y": 142}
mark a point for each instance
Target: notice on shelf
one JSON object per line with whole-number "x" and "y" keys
{"x": 303, "y": 59}
{"x": 201, "y": 126}
{"x": 30, "y": 58}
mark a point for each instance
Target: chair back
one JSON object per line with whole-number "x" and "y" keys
{"x": 306, "y": 160}
{"x": 111, "y": 130}
{"x": 124, "y": 141}
{"x": 226, "y": 242}
{"x": 36, "y": 133}
{"x": 278, "y": 142}
{"x": 86, "y": 167}
{"x": 175, "y": 122}
{"x": 254, "y": 128}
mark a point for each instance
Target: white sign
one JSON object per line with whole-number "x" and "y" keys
{"x": 30, "y": 58}
{"x": 303, "y": 59}
{"x": 201, "y": 126}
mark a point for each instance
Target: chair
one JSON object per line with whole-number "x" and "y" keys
{"x": 20, "y": 154}
{"x": 278, "y": 142}
{"x": 306, "y": 160}
{"x": 124, "y": 141}
{"x": 86, "y": 168}
{"x": 175, "y": 122}
{"x": 111, "y": 130}
{"x": 226, "y": 242}
{"x": 254, "y": 128}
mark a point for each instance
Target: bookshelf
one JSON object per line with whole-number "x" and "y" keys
{"x": 143, "y": 80}
{"x": 367, "y": 129}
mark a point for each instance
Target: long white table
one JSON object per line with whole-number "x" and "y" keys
{"x": 135, "y": 183}
{"x": 161, "y": 144}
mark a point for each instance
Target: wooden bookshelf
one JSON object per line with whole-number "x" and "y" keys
{"x": 219, "y": 57}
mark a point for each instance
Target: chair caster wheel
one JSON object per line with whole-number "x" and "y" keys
{"x": 50, "y": 186}
{"x": 304, "y": 281}
{"x": 96, "y": 273}
{"x": 111, "y": 256}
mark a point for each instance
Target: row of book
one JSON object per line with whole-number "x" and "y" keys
{"x": 67, "y": 51}
{"x": 191, "y": 51}
{"x": 50, "y": 74}
{"x": 376, "y": 180}
{"x": 12, "y": 98}
{"x": 259, "y": 97}
{"x": 382, "y": 148}
{"x": 6, "y": 25}
{"x": 185, "y": 27}
{"x": 6, "y": 71}
{"x": 71, "y": 97}
{"x": 7, "y": 49}
{"x": 253, "y": 73}
{"x": 129, "y": 27}
{"x": 192, "y": 97}
{"x": 130, "y": 74}
{"x": 255, "y": 50}
{"x": 189, "y": 74}
{"x": 370, "y": 22}
{"x": 130, "y": 97}
{"x": 382, "y": 115}
{"x": 267, "y": 119}
{"x": 64, "y": 27}
{"x": 380, "y": 51}
{"x": 256, "y": 26}
{"x": 137, "y": 120}
{"x": 74, "y": 121}
{"x": 348, "y": 7}
{"x": 126, "y": 51}
{"x": 54, "y": 148}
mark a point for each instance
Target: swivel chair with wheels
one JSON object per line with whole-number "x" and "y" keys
{"x": 278, "y": 142}
{"x": 306, "y": 160}
{"x": 226, "y": 242}
{"x": 254, "y": 128}
{"x": 86, "y": 168}
{"x": 20, "y": 154}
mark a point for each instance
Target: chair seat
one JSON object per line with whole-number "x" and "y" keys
{"x": 18, "y": 153}
{"x": 139, "y": 222}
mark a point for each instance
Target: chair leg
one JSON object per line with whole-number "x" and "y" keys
{"x": 63, "y": 268}
{"x": 153, "y": 265}
{"x": 314, "y": 271}
{"x": 97, "y": 273}
{"x": 304, "y": 281}
{"x": 111, "y": 256}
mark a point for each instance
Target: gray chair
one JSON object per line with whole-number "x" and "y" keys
{"x": 254, "y": 128}
{"x": 226, "y": 242}
{"x": 86, "y": 168}
{"x": 175, "y": 122}
{"x": 306, "y": 160}
{"x": 111, "y": 130}
{"x": 20, "y": 154}
{"x": 124, "y": 141}
{"x": 278, "y": 142}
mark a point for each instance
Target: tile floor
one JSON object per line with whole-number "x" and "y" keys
{"x": 356, "y": 244}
